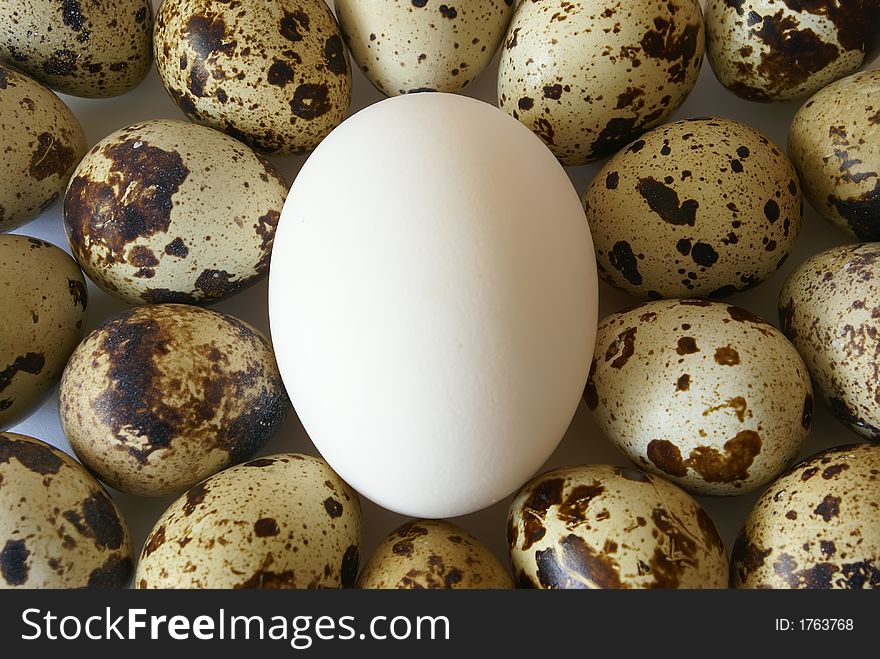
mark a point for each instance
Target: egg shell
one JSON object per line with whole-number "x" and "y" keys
{"x": 829, "y": 307}
{"x": 44, "y": 299}
{"x": 433, "y": 324}
{"x": 404, "y": 46}
{"x": 589, "y": 77}
{"x": 818, "y": 526}
{"x": 42, "y": 142}
{"x": 432, "y": 554}
{"x": 159, "y": 397}
{"x": 283, "y": 521}
{"x": 834, "y": 143}
{"x": 167, "y": 211}
{"x": 59, "y": 528}
{"x": 274, "y": 74}
{"x": 703, "y": 207}
{"x": 769, "y": 50}
{"x": 708, "y": 395}
{"x": 598, "y": 526}
{"x": 79, "y": 47}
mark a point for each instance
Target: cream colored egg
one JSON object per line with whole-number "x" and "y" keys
{"x": 159, "y": 397}
{"x": 703, "y": 207}
{"x": 405, "y": 46}
{"x": 834, "y": 143}
{"x": 775, "y": 50}
{"x": 598, "y": 526}
{"x": 59, "y": 527}
{"x": 42, "y": 143}
{"x": 167, "y": 211}
{"x": 589, "y": 77}
{"x": 829, "y": 308}
{"x": 817, "y": 527}
{"x": 272, "y": 73}
{"x": 433, "y": 554}
{"x": 43, "y": 295}
{"x": 708, "y": 395}
{"x": 283, "y": 521}
{"x": 79, "y": 47}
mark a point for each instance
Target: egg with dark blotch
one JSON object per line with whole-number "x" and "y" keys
{"x": 44, "y": 298}
{"x": 167, "y": 211}
{"x": 43, "y": 141}
{"x": 707, "y": 395}
{"x": 160, "y": 396}
{"x": 274, "y": 74}
{"x": 59, "y": 528}
{"x": 433, "y": 554}
{"x": 834, "y": 143}
{"x": 816, "y": 527}
{"x": 283, "y": 521}
{"x": 829, "y": 308}
{"x": 768, "y": 50}
{"x": 79, "y": 47}
{"x": 696, "y": 208}
{"x": 598, "y": 526}
{"x": 589, "y": 77}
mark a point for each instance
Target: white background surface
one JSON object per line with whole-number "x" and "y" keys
{"x": 583, "y": 443}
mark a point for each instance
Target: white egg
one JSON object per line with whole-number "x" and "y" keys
{"x": 433, "y": 303}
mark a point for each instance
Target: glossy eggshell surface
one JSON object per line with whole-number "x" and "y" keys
{"x": 818, "y": 526}
{"x": 167, "y": 211}
{"x": 283, "y": 521}
{"x": 703, "y": 207}
{"x": 161, "y": 396}
{"x": 598, "y": 526}
{"x": 589, "y": 77}
{"x": 59, "y": 528}
{"x": 707, "y": 395}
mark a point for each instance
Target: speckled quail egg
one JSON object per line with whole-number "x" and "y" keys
{"x": 708, "y": 395}
{"x": 283, "y": 521}
{"x": 405, "y": 46}
{"x": 42, "y": 142}
{"x": 704, "y": 207}
{"x": 588, "y": 77}
{"x": 167, "y": 211}
{"x": 775, "y": 50}
{"x": 59, "y": 528}
{"x": 161, "y": 396}
{"x": 829, "y": 307}
{"x": 43, "y": 295}
{"x": 272, "y": 73}
{"x": 834, "y": 143}
{"x": 598, "y": 526}
{"x": 433, "y": 554}
{"x": 818, "y": 526}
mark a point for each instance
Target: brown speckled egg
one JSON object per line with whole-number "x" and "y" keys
{"x": 588, "y": 77}
{"x": 775, "y": 50}
{"x": 284, "y": 521}
{"x": 710, "y": 396}
{"x": 272, "y": 73}
{"x": 818, "y": 526}
{"x": 433, "y": 554}
{"x": 79, "y": 47}
{"x": 43, "y": 295}
{"x": 404, "y": 46}
{"x": 829, "y": 307}
{"x": 167, "y": 211}
{"x": 42, "y": 143}
{"x": 598, "y": 526}
{"x": 704, "y": 207}
{"x": 59, "y": 527}
{"x": 161, "y": 396}
{"x": 834, "y": 143}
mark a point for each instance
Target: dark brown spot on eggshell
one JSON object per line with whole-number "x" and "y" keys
{"x": 861, "y": 213}
{"x": 266, "y": 527}
{"x": 31, "y": 363}
{"x": 828, "y": 508}
{"x": 310, "y": 101}
{"x": 115, "y": 572}
{"x": 545, "y": 494}
{"x": 37, "y": 458}
{"x": 13, "y": 562}
{"x": 792, "y": 55}
{"x": 687, "y": 345}
{"x": 156, "y": 540}
{"x": 624, "y": 260}
{"x": 664, "y": 201}
{"x": 591, "y": 394}
{"x": 726, "y": 356}
{"x": 622, "y": 348}
{"x": 52, "y": 158}
{"x": 574, "y": 509}
{"x": 98, "y": 520}
{"x": 334, "y": 56}
{"x": 333, "y": 507}
{"x": 349, "y": 570}
{"x": 574, "y": 564}
{"x": 712, "y": 465}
